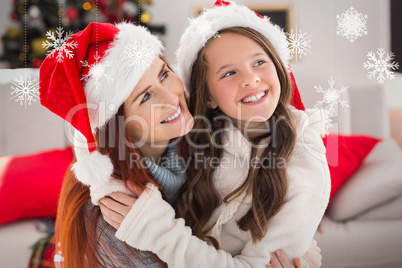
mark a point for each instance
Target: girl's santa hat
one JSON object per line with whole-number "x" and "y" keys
{"x": 224, "y": 15}
{"x": 87, "y": 80}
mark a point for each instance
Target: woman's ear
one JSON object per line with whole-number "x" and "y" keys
{"x": 211, "y": 104}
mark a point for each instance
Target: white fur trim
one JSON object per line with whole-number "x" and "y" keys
{"x": 211, "y": 21}
{"x": 80, "y": 145}
{"x": 318, "y": 120}
{"x": 109, "y": 94}
{"x": 93, "y": 169}
{"x": 105, "y": 189}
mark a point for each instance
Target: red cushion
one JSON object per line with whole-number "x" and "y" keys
{"x": 30, "y": 185}
{"x": 345, "y": 154}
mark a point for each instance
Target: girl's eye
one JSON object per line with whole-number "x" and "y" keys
{"x": 259, "y": 63}
{"x": 165, "y": 75}
{"x": 146, "y": 97}
{"x": 228, "y": 74}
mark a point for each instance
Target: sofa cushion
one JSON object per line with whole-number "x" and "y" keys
{"x": 377, "y": 181}
{"x": 390, "y": 210}
{"x": 30, "y": 185}
{"x": 345, "y": 154}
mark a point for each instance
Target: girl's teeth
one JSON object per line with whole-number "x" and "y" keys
{"x": 173, "y": 116}
{"x": 254, "y": 98}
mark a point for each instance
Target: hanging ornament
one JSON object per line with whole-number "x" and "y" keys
{"x": 13, "y": 32}
{"x": 34, "y": 12}
{"x": 86, "y": 6}
{"x": 72, "y": 13}
{"x": 351, "y": 24}
{"x": 145, "y": 17}
{"x": 14, "y": 16}
{"x": 36, "y": 62}
{"x": 37, "y": 46}
{"x": 148, "y": 2}
{"x": 130, "y": 9}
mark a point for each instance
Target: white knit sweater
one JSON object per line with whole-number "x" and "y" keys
{"x": 151, "y": 223}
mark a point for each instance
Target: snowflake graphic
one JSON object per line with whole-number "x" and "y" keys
{"x": 96, "y": 70}
{"x": 58, "y": 45}
{"x": 331, "y": 96}
{"x": 299, "y": 43}
{"x": 25, "y": 90}
{"x": 139, "y": 54}
{"x": 203, "y": 28}
{"x": 382, "y": 66}
{"x": 351, "y": 24}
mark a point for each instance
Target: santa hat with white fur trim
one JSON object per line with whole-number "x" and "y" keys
{"x": 224, "y": 15}
{"x": 89, "y": 84}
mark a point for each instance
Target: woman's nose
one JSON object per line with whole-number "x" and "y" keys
{"x": 168, "y": 95}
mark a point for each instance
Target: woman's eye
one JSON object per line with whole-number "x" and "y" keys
{"x": 146, "y": 97}
{"x": 259, "y": 63}
{"x": 228, "y": 74}
{"x": 165, "y": 75}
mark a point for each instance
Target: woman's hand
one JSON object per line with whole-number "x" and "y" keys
{"x": 311, "y": 259}
{"x": 115, "y": 207}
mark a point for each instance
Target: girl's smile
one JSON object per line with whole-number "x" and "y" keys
{"x": 255, "y": 97}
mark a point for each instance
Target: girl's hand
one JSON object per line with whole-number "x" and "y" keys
{"x": 116, "y": 206}
{"x": 311, "y": 259}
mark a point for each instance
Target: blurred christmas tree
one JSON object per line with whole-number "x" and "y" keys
{"x": 42, "y": 16}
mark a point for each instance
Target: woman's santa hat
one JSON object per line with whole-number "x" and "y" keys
{"x": 224, "y": 15}
{"x": 98, "y": 69}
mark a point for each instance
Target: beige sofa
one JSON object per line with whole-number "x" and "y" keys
{"x": 363, "y": 223}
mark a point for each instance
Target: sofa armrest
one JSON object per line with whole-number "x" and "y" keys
{"x": 376, "y": 182}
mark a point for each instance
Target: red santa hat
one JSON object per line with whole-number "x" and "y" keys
{"x": 223, "y": 15}
{"x": 97, "y": 70}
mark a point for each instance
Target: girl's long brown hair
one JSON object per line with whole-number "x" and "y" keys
{"x": 268, "y": 185}
{"x": 76, "y": 233}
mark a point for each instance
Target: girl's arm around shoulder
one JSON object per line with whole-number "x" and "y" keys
{"x": 151, "y": 225}
{"x": 308, "y": 167}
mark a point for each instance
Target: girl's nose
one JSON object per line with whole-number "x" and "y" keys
{"x": 249, "y": 79}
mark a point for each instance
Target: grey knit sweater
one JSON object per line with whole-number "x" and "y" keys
{"x": 169, "y": 172}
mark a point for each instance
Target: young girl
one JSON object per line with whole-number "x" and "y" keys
{"x": 258, "y": 180}
{"x": 124, "y": 107}
{"x": 127, "y": 108}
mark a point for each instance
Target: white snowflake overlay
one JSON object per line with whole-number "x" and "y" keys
{"x": 139, "y": 54}
{"x": 331, "y": 97}
{"x": 299, "y": 43}
{"x": 97, "y": 70}
{"x": 203, "y": 29}
{"x": 382, "y": 67}
{"x": 25, "y": 90}
{"x": 351, "y": 24}
{"x": 57, "y": 44}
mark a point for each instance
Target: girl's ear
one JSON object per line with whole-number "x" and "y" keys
{"x": 211, "y": 104}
